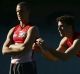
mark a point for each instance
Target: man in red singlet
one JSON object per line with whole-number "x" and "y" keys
{"x": 19, "y": 43}
{"x": 69, "y": 44}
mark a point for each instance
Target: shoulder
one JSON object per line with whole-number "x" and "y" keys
{"x": 12, "y": 29}
{"x": 62, "y": 46}
{"x": 77, "y": 41}
{"x": 33, "y": 28}
{"x": 63, "y": 41}
{"x": 10, "y": 33}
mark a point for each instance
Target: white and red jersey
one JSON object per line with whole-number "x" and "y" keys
{"x": 19, "y": 36}
{"x": 20, "y": 33}
{"x": 69, "y": 41}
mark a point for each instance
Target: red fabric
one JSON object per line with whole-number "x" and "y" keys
{"x": 20, "y": 33}
{"x": 69, "y": 41}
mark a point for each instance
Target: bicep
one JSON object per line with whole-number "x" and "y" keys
{"x": 8, "y": 40}
{"x": 31, "y": 36}
{"x": 62, "y": 46}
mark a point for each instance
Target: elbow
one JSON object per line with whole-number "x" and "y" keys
{"x": 22, "y": 48}
{"x": 3, "y": 52}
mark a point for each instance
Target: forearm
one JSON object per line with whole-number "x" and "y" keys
{"x": 20, "y": 48}
{"x": 16, "y": 46}
{"x": 49, "y": 56}
{"x": 56, "y": 54}
{"x": 71, "y": 51}
{"x": 10, "y": 51}
{"x": 59, "y": 55}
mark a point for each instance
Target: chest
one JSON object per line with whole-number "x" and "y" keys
{"x": 69, "y": 42}
{"x": 20, "y": 34}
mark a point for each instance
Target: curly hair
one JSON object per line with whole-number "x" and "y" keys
{"x": 66, "y": 19}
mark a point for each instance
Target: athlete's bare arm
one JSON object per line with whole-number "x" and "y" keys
{"x": 8, "y": 42}
{"x": 52, "y": 54}
{"x": 59, "y": 52}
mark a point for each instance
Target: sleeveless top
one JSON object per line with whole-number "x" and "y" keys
{"x": 69, "y": 41}
{"x": 19, "y": 36}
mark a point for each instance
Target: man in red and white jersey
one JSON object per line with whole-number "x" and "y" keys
{"x": 69, "y": 45}
{"x": 19, "y": 43}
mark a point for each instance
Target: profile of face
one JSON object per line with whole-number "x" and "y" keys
{"x": 64, "y": 29}
{"x": 22, "y": 12}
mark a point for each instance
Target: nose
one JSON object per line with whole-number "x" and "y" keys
{"x": 58, "y": 28}
{"x": 18, "y": 13}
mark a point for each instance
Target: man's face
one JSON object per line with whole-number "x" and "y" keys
{"x": 22, "y": 12}
{"x": 64, "y": 29}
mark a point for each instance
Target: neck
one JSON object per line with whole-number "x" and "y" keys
{"x": 23, "y": 22}
{"x": 70, "y": 35}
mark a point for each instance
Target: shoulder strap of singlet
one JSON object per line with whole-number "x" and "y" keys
{"x": 16, "y": 27}
{"x": 27, "y": 27}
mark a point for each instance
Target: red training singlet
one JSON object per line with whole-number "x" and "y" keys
{"x": 19, "y": 36}
{"x": 20, "y": 33}
{"x": 69, "y": 41}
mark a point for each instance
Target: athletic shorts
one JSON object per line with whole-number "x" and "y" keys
{"x": 23, "y": 68}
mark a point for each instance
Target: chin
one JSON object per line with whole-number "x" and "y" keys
{"x": 61, "y": 35}
{"x": 19, "y": 19}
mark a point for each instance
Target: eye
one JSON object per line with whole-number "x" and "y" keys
{"x": 62, "y": 27}
{"x": 19, "y": 11}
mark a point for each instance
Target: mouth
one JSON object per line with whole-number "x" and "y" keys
{"x": 61, "y": 32}
{"x": 19, "y": 15}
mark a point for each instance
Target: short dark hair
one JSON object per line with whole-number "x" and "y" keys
{"x": 26, "y": 4}
{"x": 66, "y": 19}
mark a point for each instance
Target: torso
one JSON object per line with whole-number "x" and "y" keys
{"x": 19, "y": 36}
{"x": 20, "y": 33}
